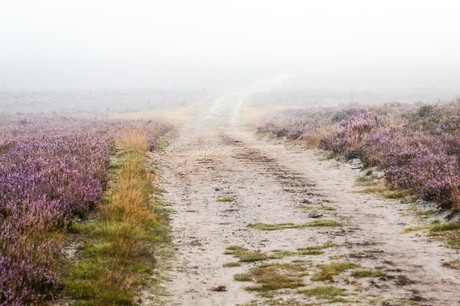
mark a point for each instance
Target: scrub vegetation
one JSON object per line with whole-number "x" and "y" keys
{"x": 54, "y": 173}
{"x": 417, "y": 146}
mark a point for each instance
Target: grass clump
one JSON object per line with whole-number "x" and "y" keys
{"x": 115, "y": 165}
{"x": 453, "y": 239}
{"x": 440, "y": 229}
{"x": 273, "y": 227}
{"x": 270, "y": 277}
{"x": 231, "y": 264}
{"x": 245, "y": 255}
{"x": 226, "y": 199}
{"x": 330, "y": 293}
{"x": 367, "y": 273}
{"x": 282, "y": 226}
{"x": 363, "y": 179}
{"x": 451, "y": 231}
{"x": 320, "y": 207}
{"x": 394, "y": 194}
{"x": 242, "y": 277}
{"x": 425, "y": 214}
{"x": 315, "y": 250}
{"x": 278, "y": 254}
{"x": 416, "y": 228}
{"x": 383, "y": 189}
{"x": 323, "y": 223}
{"x": 328, "y": 271}
{"x": 117, "y": 256}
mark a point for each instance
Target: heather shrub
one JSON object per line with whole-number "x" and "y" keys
{"x": 425, "y": 165}
{"x": 417, "y": 146}
{"x": 50, "y": 172}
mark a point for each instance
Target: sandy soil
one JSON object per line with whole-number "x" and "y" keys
{"x": 270, "y": 181}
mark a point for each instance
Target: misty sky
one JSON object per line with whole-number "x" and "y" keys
{"x": 46, "y": 41}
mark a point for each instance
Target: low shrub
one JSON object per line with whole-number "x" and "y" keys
{"x": 417, "y": 146}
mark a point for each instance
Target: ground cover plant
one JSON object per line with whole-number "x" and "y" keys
{"x": 328, "y": 271}
{"x": 274, "y": 276}
{"x": 417, "y": 146}
{"x": 118, "y": 254}
{"x": 330, "y": 293}
{"x": 51, "y": 171}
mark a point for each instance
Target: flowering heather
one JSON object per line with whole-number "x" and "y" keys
{"x": 417, "y": 146}
{"x": 50, "y": 172}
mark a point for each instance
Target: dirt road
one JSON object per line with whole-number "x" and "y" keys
{"x": 227, "y": 187}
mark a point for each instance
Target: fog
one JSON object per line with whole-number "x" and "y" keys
{"x": 386, "y": 50}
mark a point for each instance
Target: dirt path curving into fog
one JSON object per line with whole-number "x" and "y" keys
{"x": 266, "y": 181}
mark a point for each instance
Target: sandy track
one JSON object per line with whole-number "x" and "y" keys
{"x": 268, "y": 180}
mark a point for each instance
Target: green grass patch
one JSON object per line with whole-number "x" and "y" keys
{"x": 441, "y": 229}
{"x": 366, "y": 190}
{"x": 270, "y": 277}
{"x": 273, "y": 227}
{"x": 330, "y": 293}
{"x": 245, "y": 255}
{"x": 453, "y": 239}
{"x": 115, "y": 165}
{"x": 320, "y": 207}
{"x": 311, "y": 251}
{"x": 278, "y": 254}
{"x": 425, "y": 214}
{"x": 451, "y": 232}
{"x": 365, "y": 181}
{"x": 242, "y": 277}
{"x": 394, "y": 194}
{"x": 362, "y": 179}
{"x": 282, "y": 226}
{"x": 226, "y": 199}
{"x": 416, "y": 228}
{"x": 328, "y": 271}
{"x": 315, "y": 250}
{"x": 384, "y": 190}
{"x": 117, "y": 256}
{"x": 323, "y": 223}
{"x": 367, "y": 273}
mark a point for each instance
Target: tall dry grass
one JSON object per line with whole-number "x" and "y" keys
{"x": 119, "y": 254}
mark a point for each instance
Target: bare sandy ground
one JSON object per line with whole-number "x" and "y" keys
{"x": 270, "y": 181}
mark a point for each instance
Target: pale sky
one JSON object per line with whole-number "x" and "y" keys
{"x": 88, "y": 34}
